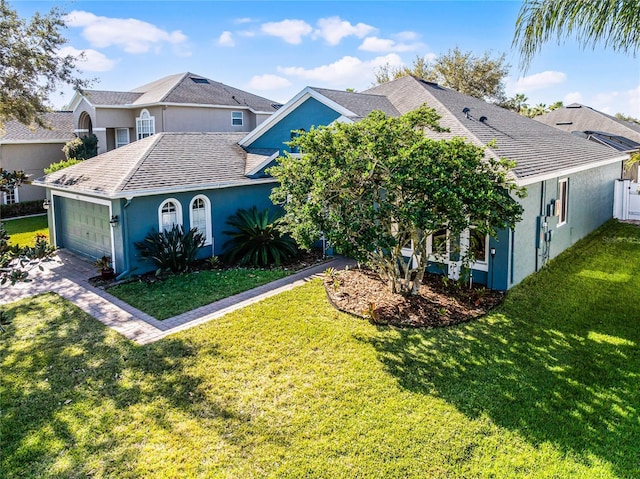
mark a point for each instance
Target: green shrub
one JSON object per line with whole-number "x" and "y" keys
{"x": 81, "y": 148}
{"x": 257, "y": 240}
{"x": 171, "y": 250}
{"x": 24, "y": 208}
{"x": 53, "y": 167}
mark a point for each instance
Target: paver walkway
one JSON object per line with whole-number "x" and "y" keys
{"x": 68, "y": 276}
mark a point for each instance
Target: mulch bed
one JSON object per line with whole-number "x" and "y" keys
{"x": 361, "y": 293}
{"x": 304, "y": 259}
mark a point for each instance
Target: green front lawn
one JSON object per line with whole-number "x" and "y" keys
{"x": 182, "y": 293}
{"x": 545, "y": 386}
{"x": 23, "y": 231}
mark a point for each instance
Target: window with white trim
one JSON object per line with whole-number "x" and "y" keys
{"x": 122, "y": 137}
{"x": 438, "y": 245}
{"x": 169, "y": 214}
{"x": 200, "y": 209}
{"x": 236, "y": 118}
{"x": 10, "y": 197}
{"x": 145, "y": 125}
{"x": 562, "y": 202}
{"x": 478, "y": 242}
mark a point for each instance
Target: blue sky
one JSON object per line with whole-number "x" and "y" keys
{"x": 275, "y": 49}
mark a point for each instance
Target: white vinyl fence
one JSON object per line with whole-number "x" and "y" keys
{"x": 626, "y": 201}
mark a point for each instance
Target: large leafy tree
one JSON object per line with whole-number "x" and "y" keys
{"x": 379, "y": 185}
{"x": 478, "y": 76}
{"x": 31, "y": 68}
{"x": 613, "y": 23}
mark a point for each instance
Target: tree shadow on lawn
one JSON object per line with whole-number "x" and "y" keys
{"x": 68, "y": 383}
{"x": 547, "y": 366}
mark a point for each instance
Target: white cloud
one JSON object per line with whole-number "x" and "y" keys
{"x": 612, "y": 102}
{"x": 246, "y": 33}
{"x": 381, "y": 45}
{"x": 407, "y": 36}
{"x": 347, "y": 72}
{"x": 239, "y": 21}
{"x": 333, "y": 30}
{"x": 573, "y": 97}
{"x": 291, "y": 31}
{"x": 91, "y": 60}
{"x": 537, "y": 81}
{"x": 134, "y": 36}
{"x": 268, "y": 82}
{"x": 226, "y": 39}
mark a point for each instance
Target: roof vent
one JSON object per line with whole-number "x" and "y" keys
{"x": 483, "y": 119}
{"x": 200, "y": 80}
{"x": 564, "y": 123}
{"x": 466, "y": 111}
{"x": 276, "y": 106}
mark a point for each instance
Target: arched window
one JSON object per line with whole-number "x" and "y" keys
{"x": 169, "y": 214}
{"x": 145, "y": 125}
{"x": 200, "y": 214}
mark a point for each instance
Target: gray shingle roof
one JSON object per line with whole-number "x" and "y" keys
{"x": 536, "y": 148}
{"x": 166, "y": 162}
{"x": 257, "y": 156}
{"x": 577, "y": 117}
{"x": 61, "y": 129}
{"x": 181, "y": 88}
{"x": 359, "y": 103}
{"x": 103, "y": 97}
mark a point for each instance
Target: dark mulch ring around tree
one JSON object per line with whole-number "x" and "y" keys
{"x": 362, "y": 293}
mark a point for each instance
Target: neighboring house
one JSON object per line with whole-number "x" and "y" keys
{"x": 31, "y": 149}
{"x": 201, "y": 179}
{"x": 598, "y": 127}
{"x": 184, "y": 102}
{"x": 569, "y": 180}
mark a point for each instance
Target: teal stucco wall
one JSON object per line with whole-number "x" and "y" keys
{"x": 310, "y": 113}
{"x": 589, "y": 205}
{"x": 140, "y": 217}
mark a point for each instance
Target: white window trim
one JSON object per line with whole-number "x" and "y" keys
{"x": 178, "y": 213}
{"x": 16, "y": 197}
{"x": 208, "y": 236}
{"x": 150, "y": 119}
{"x": 241, "y": 118}
{"x": 562, "y": 203}
{"x": 118, "y": 145}
{"x": 481, "y": 264}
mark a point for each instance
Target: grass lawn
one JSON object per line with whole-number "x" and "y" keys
{"x": 185, "y": 292}
{"x": 545, "y": 386}
{"x": 22, "y": 231}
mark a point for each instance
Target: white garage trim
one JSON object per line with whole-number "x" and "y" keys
{"x": 87, "y": 199}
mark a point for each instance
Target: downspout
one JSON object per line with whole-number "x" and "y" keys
{"x": 125, "y": 243}
{"x": 543, "y": 188}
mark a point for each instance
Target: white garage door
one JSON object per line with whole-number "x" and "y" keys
{"x": 84, "y": 228}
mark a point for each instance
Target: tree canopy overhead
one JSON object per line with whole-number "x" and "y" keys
{"x": 613, "y": 23}
{"x": 478, "y": 76}
{"x": 379, "y": 185}
{"x": 31, "y": 68}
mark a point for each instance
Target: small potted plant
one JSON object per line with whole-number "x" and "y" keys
{"x": 104, "y": 267}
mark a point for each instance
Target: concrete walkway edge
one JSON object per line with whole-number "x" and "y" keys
{"x": 68, "y": 276}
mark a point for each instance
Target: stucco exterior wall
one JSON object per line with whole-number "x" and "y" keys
{"x": 32, "y": 158}
{"x": 141, "y": 216}
{"x": 589, "y": 205}
{"x": 189, "y": 119}
{"x": 308, "y": 114}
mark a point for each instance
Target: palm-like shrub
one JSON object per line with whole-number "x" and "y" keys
{"x": 257, "y": 240}
{"x": 171, "y": 250}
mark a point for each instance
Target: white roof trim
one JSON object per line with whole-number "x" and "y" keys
{"x": 158, "y": 191}
{"x": 290, "y": 106}
{"x": 263, "y": 164}
{"x": 569, "y": 171}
